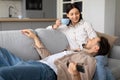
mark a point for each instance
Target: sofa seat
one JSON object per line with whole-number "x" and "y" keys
{"x": 55, "y": 41}
{"x": 114, "y": 66}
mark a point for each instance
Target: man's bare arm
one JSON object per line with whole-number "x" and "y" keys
{"x": 43, "y": 52}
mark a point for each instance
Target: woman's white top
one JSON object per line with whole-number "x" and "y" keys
{"x": 78, "y": 34}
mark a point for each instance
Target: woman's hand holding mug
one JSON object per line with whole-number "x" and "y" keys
{"x": 63, "y": 21}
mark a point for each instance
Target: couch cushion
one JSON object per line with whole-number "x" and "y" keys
{"x": 53, "y": 40}
{"x": 110, "y": 38}
{"x": 115, "y": 52}
{"x": 114, "y": 65}
{"x": 18, "y": 44}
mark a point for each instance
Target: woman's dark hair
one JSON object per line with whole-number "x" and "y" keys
{"x": 71, "y": 6}
{"x": 104, "y": 46}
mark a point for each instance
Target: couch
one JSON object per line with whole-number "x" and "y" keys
{"x": 55, "y": 41}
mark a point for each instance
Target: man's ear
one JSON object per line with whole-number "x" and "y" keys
{"x": 95, "y": 48}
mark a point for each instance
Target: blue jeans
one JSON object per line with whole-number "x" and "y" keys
{"x": 102, "y": 71}
{"x": 14, "y": 68}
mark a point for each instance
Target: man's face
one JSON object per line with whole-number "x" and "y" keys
{"x": 91, "y": 43}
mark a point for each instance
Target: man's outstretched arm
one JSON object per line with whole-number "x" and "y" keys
{"x": 43, "y": 52}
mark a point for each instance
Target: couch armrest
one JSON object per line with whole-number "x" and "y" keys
{"x": 115, "y": 52}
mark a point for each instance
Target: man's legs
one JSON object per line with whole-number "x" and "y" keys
{"x": 7, "y": 58}
{"x": 102, "y": 71}
{"x": 28, "y": 71}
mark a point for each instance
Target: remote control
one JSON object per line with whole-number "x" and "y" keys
{"x": 79, "y": 68}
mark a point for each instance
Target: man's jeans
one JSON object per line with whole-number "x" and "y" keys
{"x": 14, "y": 68}
{"x": 102, "y": 71}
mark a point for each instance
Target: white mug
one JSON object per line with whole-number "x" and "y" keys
{"x": 20, "y": 16}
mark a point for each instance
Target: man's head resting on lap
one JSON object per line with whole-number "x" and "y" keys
{"x": 97, "y": 46}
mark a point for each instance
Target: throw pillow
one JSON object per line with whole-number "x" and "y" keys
{"x": 53, "y": 40}
{"x": 111, "y": 39}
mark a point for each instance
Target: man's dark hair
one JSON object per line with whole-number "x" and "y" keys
{"x": 104, "y": 46}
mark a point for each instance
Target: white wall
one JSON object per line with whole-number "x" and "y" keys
{"x": 94, "y": 13}
{"x": 101, "y": 14}
{"x": 4, "y": 5}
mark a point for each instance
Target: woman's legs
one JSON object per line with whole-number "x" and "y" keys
{"x": 28, "y": 71}
{"x": 7, "y": 58}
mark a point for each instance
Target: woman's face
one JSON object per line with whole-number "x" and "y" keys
{"x": 74, "y": 15}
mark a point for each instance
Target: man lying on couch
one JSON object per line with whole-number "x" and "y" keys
{"x": 13, "y": 67}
